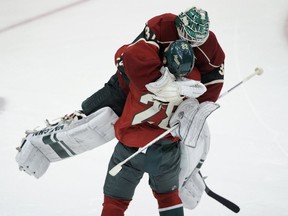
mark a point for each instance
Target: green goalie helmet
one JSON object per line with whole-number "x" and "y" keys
{"x": 193, "y": 26}
{"x": 180, "y": 58}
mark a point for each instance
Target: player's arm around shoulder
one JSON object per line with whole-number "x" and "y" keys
{"x": 212, "y": 75}
{"x": 142, "y": 63}
{"x": 214, "y": 81}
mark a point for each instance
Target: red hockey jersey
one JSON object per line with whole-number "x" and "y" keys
{"x": 139, "y": 63}
{"x": 161, "y": 31}
{"x": 144, "y": 118}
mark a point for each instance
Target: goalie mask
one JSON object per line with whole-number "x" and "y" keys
{"x": 180, "y": 58}
{"x": 193, "y": 26}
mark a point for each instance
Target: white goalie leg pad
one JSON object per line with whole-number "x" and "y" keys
{"x": 192, "y": 191}
{"x": 190, "y": 184}
{"x": 191, "y": 116}
{"x": 67, "y": 138}
{"x": 195, "y": 142}
{"x": 31, "y": 160}
{"x": 194, "y": 157}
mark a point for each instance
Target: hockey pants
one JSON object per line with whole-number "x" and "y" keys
{"x": 162, "y": 163}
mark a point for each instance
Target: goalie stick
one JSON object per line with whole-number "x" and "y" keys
{"x": 258, "y": 71}
{"x": 230, "y": 205}
{"x": 227, "y": 203}
{"x": 117, "y": 168}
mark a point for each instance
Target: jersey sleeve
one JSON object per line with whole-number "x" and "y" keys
{"x": 210, "y": 59}
{"x": 142, "y": 63}
{"x": 164, "y": 27}
{"x": 214, "y": 82}
{"x": 142, "y": 59}
{"x": 210, "y": 55}
{"x": 212, "y": 93}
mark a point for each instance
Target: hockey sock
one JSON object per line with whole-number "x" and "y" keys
{"x": 114, "y": 207}
{"x": 169, "y": 204}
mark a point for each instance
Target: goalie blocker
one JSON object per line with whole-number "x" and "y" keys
{"x": 65, "y": 139}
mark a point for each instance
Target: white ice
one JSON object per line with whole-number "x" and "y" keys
{"x": 49, "y": 66}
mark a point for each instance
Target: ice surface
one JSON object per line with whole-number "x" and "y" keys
{"x": 49, "y": 66}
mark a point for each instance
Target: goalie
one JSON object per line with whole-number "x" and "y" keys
{"x": 78, "y": 132}
{"x": 166, "y": 88}
{"x": 148, "y": 109}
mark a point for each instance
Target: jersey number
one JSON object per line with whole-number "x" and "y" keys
{"x": 153, "y": 110}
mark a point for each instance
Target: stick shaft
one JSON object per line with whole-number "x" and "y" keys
{"x": 238, "y": 84}
{"x": 119, "y": 165}
{"x": 148, "y": 145}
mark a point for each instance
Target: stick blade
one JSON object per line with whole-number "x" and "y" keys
{"x": 115, "y": 170}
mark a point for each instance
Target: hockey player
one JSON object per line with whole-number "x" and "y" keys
{"x": 146, "y": 113}
{"x": 150, "y": 101}
{"x": 76, "y": 133}
{"x": 146, "y": 116}
{"x": 191, "y": 25}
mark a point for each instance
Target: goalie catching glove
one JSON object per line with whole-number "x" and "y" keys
{"x": 168, "y": 89}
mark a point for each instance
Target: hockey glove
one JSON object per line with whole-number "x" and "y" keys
{"x": 190, "y": 88}
{"x": 168, "y": 89}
